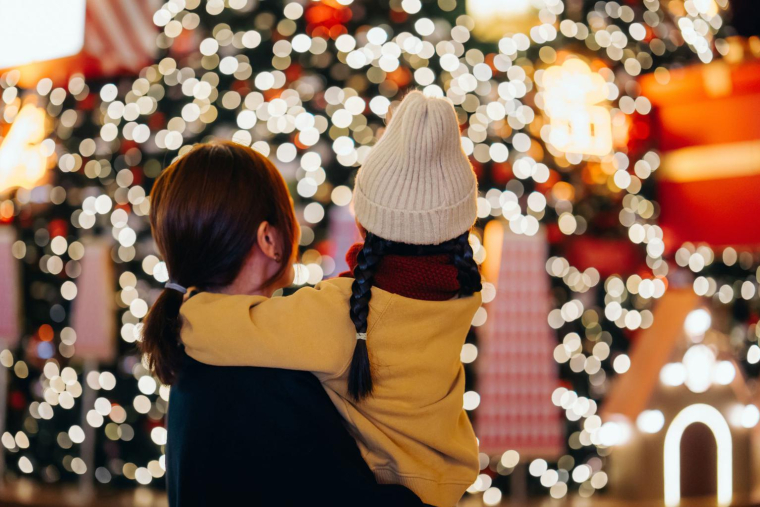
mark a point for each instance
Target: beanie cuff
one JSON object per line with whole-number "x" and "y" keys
{"x": 423, "y": 227}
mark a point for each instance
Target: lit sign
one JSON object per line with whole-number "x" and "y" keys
{"x": 496, "y": 18}
{"x": 578, "y": 125}
{"x": 38, "y": 30}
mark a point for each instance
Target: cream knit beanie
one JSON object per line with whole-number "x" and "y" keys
{"x": 417, "y": 185}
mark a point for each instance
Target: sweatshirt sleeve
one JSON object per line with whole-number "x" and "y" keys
{"x": 309, "y": 331}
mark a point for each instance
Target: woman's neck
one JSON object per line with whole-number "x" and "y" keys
{"x": 252, "y": 278}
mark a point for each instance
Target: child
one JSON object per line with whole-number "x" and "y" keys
{"x": 386, "y": 342}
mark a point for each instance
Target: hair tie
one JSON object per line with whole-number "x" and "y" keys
{"x": 175, "y": 286}
{"x": 361, "y": 336}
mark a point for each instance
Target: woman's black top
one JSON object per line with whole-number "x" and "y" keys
{"x": 259, "y": 436}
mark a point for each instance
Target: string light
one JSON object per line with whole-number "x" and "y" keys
{"x": 506, "y": 98}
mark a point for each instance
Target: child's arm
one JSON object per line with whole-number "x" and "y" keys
{"x": 309, "y": 330}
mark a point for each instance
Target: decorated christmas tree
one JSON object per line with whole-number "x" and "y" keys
{"x": 552, "y": 114}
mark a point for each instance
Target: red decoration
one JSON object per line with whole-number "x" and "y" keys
{"x": 398, "y": 16}
{"x": 293, "y": 72}
{"x": 477, "y": 168}
{"x": 704, "y": 105}
{"x": 401, "y": 77}
{"x": 700, "y": 122}
{"x": 501, "y": 173}
{"x": 720, "y": 212}
{"x": 58, "y": 227}
{"x": 322, "y": 17}
{"x": 137, "y": 175}
{"x": 17, "y": 400}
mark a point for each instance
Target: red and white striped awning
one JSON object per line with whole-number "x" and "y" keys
{"x": 120, "y": 34}
{"x": 119, "y": 38}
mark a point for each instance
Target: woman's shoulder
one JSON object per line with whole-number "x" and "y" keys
{"x": 334, "y": 288}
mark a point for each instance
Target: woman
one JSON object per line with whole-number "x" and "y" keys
{"x": 223, "y": 221}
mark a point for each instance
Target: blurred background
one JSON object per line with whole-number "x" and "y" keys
{"x": 617, "y": 145}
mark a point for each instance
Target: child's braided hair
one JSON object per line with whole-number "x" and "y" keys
{"x": 468, "y": 275}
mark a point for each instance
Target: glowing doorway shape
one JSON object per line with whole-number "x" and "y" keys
{"x": 713, "y": 419}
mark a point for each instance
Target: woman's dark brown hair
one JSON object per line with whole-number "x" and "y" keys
{"x": 206, "y": 209}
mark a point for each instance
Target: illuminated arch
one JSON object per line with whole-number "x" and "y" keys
{"x": 713, "y": 419}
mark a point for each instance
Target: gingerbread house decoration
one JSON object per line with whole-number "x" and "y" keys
{"x": 683, "y": 417}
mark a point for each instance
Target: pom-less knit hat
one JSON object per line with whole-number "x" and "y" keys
{"x": 417, "y": 185}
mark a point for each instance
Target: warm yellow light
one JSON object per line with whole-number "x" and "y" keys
{"x": 493, "y": 241}
{"x": 709, "y": 7}
{"x": 39, "y": 30}
{"x": 699, "y": 361}
{"x": 713, "y": 419}
{"x": 23, "y": 159}
{"x": 496, "y": 18}
{"x": 650, "y": 421}
{"x": 697, "y": 323}
{"x": 571, "y": 91}
{"x": 700, "y": 163}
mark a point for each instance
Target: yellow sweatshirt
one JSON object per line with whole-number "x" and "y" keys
{"x": 413, "y": 430}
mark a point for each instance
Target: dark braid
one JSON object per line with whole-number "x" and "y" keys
{"x": 375, "y": 248}
{"x": 360, "y": 373}
{"x": 468, "y": 273}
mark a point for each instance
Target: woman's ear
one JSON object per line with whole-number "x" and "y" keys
{"x": 269, "y": 241}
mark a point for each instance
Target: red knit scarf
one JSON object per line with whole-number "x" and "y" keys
{"x": 427, "y": 278}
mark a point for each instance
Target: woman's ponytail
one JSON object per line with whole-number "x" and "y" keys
{"x": 160, "y": 336}
{"x": 360, "y": 372}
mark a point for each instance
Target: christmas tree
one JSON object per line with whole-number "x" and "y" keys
{"x": 552, "y": 115}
